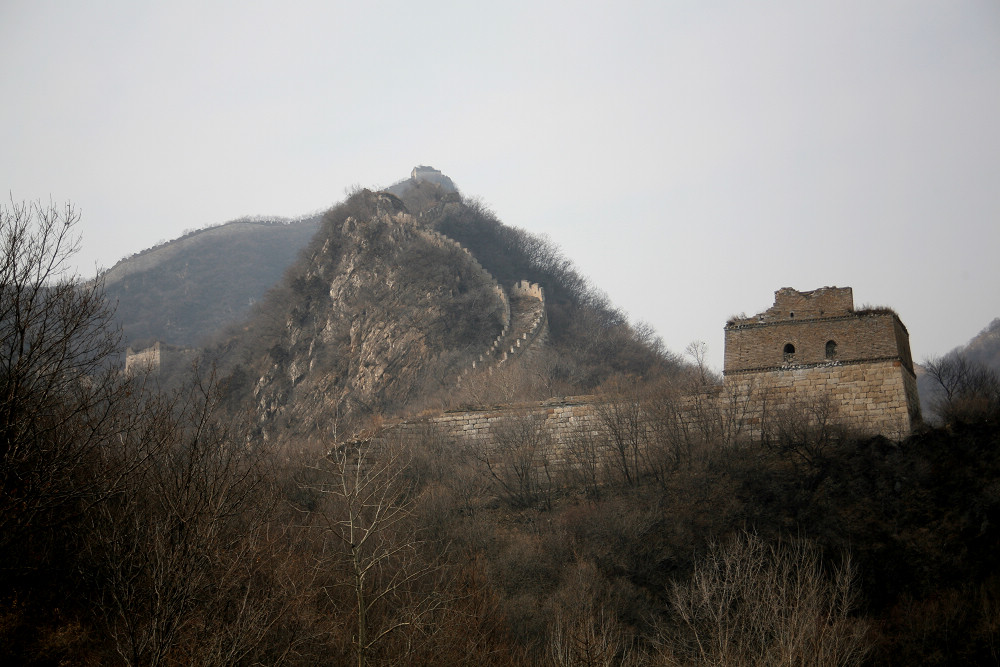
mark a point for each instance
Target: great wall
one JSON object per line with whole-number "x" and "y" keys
{"x": 522, "y": 311}
{"x": 811, "y": 361}
{"x": 811, "y": 357}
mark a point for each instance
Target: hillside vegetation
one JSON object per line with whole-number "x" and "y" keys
{"x": 985, "y": 347}
{"x": 965, "y": 380}
{"x": 257, "y": 513}
{"x": 382, "y": 316}
{"x": 183, "y": 291}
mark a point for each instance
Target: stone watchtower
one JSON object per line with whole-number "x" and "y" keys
{"x": 814, "y": 346}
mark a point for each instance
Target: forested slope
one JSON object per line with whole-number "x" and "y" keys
{"x": 184, "y": 290}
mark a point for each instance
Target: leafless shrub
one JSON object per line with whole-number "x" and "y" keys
{"x": 372, "y": 549}
{"x": 966, "y": 391}
{"x": 586, "y": 456}
{"x": 749, "y": 603}
{"x": 584, "y": 631}
{"x": 674, "y": 435}
{"x": 804, "y": 431}
{"x": 186, "y": 566}
{"x": 621, "y": 410}
{"x": 518, "y": 463}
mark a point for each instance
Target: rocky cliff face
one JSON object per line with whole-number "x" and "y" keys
{"x": 380, "y": 314}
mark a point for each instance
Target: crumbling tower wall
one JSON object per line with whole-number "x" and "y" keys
{"x": 814, "y": 350}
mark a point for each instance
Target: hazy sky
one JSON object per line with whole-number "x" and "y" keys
{"x": 689, "y": 157}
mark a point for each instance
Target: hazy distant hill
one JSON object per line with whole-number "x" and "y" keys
{"x": 983, "y": 349}
{"x": 185, "y": 289}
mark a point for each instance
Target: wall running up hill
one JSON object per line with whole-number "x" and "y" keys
{"x": 868, "y": 387}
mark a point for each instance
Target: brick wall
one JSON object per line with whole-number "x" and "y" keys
{"x": 855, "y": 337}
{"x": 875, "y": 397}
{"x": 813, "y": 346}
{"x": 147, "y": 359}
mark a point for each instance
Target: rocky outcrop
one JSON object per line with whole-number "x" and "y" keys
{"x": 383, "y": 313}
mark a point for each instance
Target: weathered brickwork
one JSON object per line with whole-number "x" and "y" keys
{"x": 846, "y": 339}
{"x": 813, "y": 347}
{"x": 870, "y": 397}
{"x": 559, "y": 418}
{"x": 148, "y": 359}
{"x": 790, "y": 304}
{"x": 157, "y": 357}
{"x": 560, "y": 423}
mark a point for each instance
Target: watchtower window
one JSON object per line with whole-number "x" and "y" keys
{"x": 788, "y": 352}
{"x": 831, "y": 349}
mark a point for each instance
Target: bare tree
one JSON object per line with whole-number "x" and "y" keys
{"x": 186, "y": 566}
{"x": 583, "y": 630}
{"x": 743, "y": 412}
{"x": 622, "y": 411}
{"x": 675, "y": 431}
{"x": 965, "y": 390}
{"x": 586, "y": 455}
{"x": 516, "y": 380}
{"x": 519, "y": 460}
{"x": 58, "y": 392}
{"x": 698, "y": 352}
{"x": 375, "y": 549}
{"x": 749, "y": 603}
{"x": 805, "y": 431}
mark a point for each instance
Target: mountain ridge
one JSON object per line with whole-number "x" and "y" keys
{"x": 385, "y": 312}
{"x": 182, "y": 291}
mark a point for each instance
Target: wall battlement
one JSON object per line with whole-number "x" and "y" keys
{"x": 525, "y": 288}
{"x": 790, "y": 304}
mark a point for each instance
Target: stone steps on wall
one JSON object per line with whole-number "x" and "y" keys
{"x": 526, "y": 332}
{"x": 524, "y": 325}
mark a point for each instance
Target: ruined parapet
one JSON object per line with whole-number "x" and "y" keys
{"x": 498, "y": 341}
{"x": 144, "y": 360}
{"x": 502, "y": 296}
{"x": 529, "y": 325}
{"x": 446, "y": 242}
{"x": 158, "y": 358}
{"x": 525, "y": 331}
{"x": 485, "y": 359}
{"x": 503, "y": 301}
{"x": 790, "y": 304}
{"x": 538, "y": 329}
{"x": 525, "y": 288}
{"x": 813, "y": 347}
{"x": 516, "y": 336}
{"x": 423, "y": 173}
